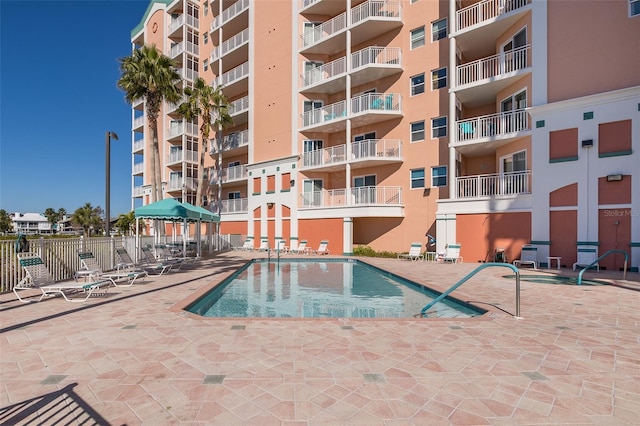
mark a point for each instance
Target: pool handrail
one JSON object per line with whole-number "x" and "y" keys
{"x": 471, "y": 274}
{"x": 624, "y": 273}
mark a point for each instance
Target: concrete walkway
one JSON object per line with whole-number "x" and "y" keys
{"x": 135, "y": 357}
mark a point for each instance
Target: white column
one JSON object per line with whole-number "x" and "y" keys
{"x": 347, "y": 236}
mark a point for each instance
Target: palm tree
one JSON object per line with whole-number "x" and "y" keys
{"x": 203, "y": 100}
{"x": 149, "y": 74}
{"x": 87, "y": 217}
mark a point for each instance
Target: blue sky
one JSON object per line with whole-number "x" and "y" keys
{"x": 58, "y": 98}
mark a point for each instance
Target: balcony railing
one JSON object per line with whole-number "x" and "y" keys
{"x": 176, "y": 23}
{"x": 497, "y": 184}
{"x": 360, "y": 196}
{"x": 361, "y": 150}
{"x": 492, "y": 126}
{"x": 233, "y": 141}
{"x": 180, "y": 183}
{"x": 375, "y": 9}
{"x": 321, "y": 32}
{"x": 238, "y": 205}
{"x": 178, "y": 129}
{"x": 375, "y": 102}
{"x": 181, "y": 47}
{"x": 494, "y": 66}
{"x": 138, "y": 122}
{"x": 231, "y": 174}
{"x": 180, "y": 156}
{"x": 188, "y": 74}
{"x": 376, "y": 55}
{"x": 137, "y": 168}
{"x": 328, "y": 113}
{"x": 239, "y": 105}
{"x": 234, "y": 10}
{"x": 233, "y": 75}
{"x": 229, "y": 45}
{"x": 324, "y": 72}
{"x": 138, "y": 145}
{"x": 138, "y": 191}
{"x": 485, "y": 10}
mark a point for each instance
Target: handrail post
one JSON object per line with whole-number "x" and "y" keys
{"x": 624, "y": 273}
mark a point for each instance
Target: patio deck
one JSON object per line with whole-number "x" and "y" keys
{"x": 134, "y": 357}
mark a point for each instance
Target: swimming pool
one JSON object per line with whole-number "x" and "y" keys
{"x": 332, "y": 288}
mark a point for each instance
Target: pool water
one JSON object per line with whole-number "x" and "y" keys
{"x": 335, "y": 288}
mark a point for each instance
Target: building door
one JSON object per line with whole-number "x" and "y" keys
{"x": 312, "y": 112}
{"x": 312, "y": 152}
{"x": 512, "y": 180}
{"x": 312, "y": 193}
{"x": 364, "y": 189}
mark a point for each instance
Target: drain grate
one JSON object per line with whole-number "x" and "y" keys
{"x": 54, "y": 379}
{"x": 534, "y": 375}
{"x": 213, "y": 379}
{"x": 129, "y": 327}
{"x": 374, "y": 378}
{"x": 346, "y": 327}
{"x": 238, "y": 327}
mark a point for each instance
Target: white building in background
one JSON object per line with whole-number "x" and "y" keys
{"x": 30, "y": 223}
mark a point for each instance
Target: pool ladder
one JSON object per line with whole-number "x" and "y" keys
{"x": 624, "y": 273}
{"x": 269, "y": 254}
{"x": 471, "y": 274}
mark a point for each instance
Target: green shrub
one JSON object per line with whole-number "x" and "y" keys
{"x": 369, "y": 252}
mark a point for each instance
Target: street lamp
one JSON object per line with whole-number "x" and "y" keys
{"x": 107, "y": 213}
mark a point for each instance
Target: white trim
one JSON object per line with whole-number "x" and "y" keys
{"x": 590, "y": 100}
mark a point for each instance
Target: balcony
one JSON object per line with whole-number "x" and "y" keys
{"x": 188, "y": 74}
{"x": 366, "y": 109}
{"x": 365, "y": 201}
{"x": 369, "y": 64}
{"x": 238, "y": 205}
{"x": 179, "y": 156}
{"x": 230, "y": 175}
{"x": 177, "y": 129}
{"x": 239, "y": 111}
{"x": 485, "y": 11}
{"x": 229, "y": 14}
{"x": 321, "y": 7}
{"x": 491, "y": 130}
{"x": 234, "y": 43}
{"x": 138, "y": 191}
{"x": 137, "y": 169}
{"x": 366, "y": 20}
{"x": 479, "y": 82}
{"x": 231, "y": 80}
{"x": 237, "y": 141}
{"x": 493, "y": 185}
{"x": 182, "y": 47}
{"x": 138, "y": 146}
{"x": 138, "y": 123}
{"x": 180, "y": 183}
{"x": 364, "y": 153}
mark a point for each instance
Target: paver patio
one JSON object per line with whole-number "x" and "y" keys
{"x": 135, "y": 357}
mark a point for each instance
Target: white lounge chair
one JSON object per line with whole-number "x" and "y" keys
{"x": 587, "y": 256}
{"x": 415, "y": 252}
{"x": 302, "y": 248}
{"x": 323, "y": 248}
{"x": 528, "y": 256}
{"x": 125, "y": 262}
{"x": 95, "y": 272}
{"x": 264, "y": 245}
{"x": 280, "y": 246}
{"x": 150, "y": 261}
{"x": 451, "y": 254}
{"x": 38, "y": 277}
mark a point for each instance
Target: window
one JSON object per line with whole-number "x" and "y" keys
{"x": 634, "y": 7}
{"x": 417, "y": 84}
{"x": 206, "y": 8}
{"x": 417, "y": 37}
{"x": 417, "y": 178}
{"x": 438, "y": 78}
{"x": 364, "y": 189}
{"x": 516, "y": 162}
{"x": 417, "y": 131}
{"x": 205, "y": 38}
{"x": 205, "y": 64}
{"x": 439, "y": 176}
{"x": 438, "y": 127}
{"x": 439, "y": 29}
{"x": 235, "y": 195}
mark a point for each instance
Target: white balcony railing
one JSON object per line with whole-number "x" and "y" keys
{"x": 233, "y": 75}
{"x": 328, "y": 113}
{"x": 364, "y": 195}
{"x": 376, "y": 55}
{"x": 485, "y": 10}
{"x": 322, "y": 32}
{"x": 238, "y": 205}
{"x": 138, "y": 191}
{"x": 232, "y": 174}
{"x": 324, "y": 72}
{"x": 178, "y": 129}
{"x": 138, "y": 122}
{"x": 180, "y": 156}
{"x": 492, "y": 126}
{"x": 188, "y": 74}
{"x": 234, "y": 10}
{"x": 375, "y": 9}
{"x": 138, "y": 145}
{"x": 182, "y": 47}
{"x": 376, "y": 102}
{"x": 239, "y": 105}
{"x": 176, "y": 23}
{"x": 229, "y": 45}
{"x": 493, "y": 66}
{"x": 232, "y": 141}
{"x": 497, "y": 184}
{"x": 361, "y": 150}
{"x": 137, "y": 168}
{"x": 377, "y": 148}
{"x": 179, "y": 183}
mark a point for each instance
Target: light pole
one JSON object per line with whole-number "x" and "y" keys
{"x": 107, "y": 213}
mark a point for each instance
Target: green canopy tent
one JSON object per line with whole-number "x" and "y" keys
{"x": 205, "y": 216}
{"x": 170, "y": 209}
